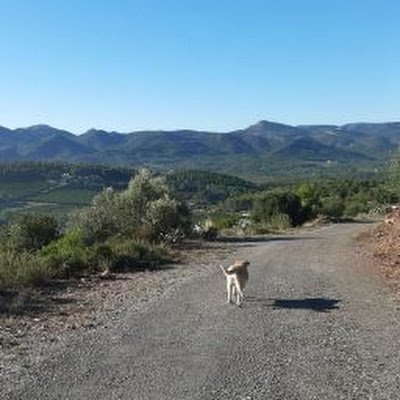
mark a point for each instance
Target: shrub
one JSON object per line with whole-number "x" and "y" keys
{"x": 210, "y": 233}
{"x": 162, "y": 217}
{"x": 333, "y": 208}
{"x": 68, "y": 256}
{"x": 114, "y": 232}
{"x": 148, "y": 207}
{"x": 98, "y": 221}
{"x": 22, "y": 269}
{"x": 132, "y": 254}
{"x": 208, "y": 230}
{"x": 274, "y": 223}
{"x": 309, "y": 195}
{"x": 260, "y": 228}
{"x": 279, "y": 203}
{"x": 243, "y": 202}
{"x": 355, "y": 208}
{"x": 30, "y": 232}
{"x": 279, "y": 222}
{"x": 146, "y": 210}
{"x": 225, "y": 221}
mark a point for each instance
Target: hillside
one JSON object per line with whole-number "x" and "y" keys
{"x": 59, "y": 188}
{"x": 55, "y": 188}
{"x": 260, "y": 149}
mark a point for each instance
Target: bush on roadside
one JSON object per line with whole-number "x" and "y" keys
{"x": 30, "y": 232}
{"x": 132, "y": 254}
{"x": 98, "y": 221}
{"x": 225, "y": 221}
{"x": 274, "y": 223}
{"x": 272, "y": 204}
{"x": 68, "y": 256}
{"x": 333, "y": 208}
{"x": 23, "y": 269}
{"x": 279, "y": 222}
{"x": 354, "y": 208}
{"x": 118, "y": 231}
{"x": 146, "y": 211}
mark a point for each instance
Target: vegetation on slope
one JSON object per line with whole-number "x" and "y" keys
{"x": 118, "y": 230}
{"x": 122, "y": 222}
{"x": 258, "y": 150}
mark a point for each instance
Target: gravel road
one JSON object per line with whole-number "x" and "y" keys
{"x": 315, "y": 325}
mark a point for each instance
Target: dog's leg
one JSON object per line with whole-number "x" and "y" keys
{"x": 229, "y": 290}
{"x": 228, "y": 285}
{"x": 239, "y": 298}
{"x": 239, "y": 293}
{"x": 234, "y": 292}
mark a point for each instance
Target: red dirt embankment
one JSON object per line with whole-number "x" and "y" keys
{"x": 384, "y": 242}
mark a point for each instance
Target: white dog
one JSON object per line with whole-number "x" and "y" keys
{"x": 237, "y": 276}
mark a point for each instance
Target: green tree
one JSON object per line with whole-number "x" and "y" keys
{"x": 146, "y": 210}
{"x": 98, "y": 221}
{"x": 279, "y": 203}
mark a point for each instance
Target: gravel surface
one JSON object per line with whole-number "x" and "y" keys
{"x": 316, "y": 324}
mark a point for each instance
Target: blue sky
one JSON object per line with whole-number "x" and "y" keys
{"x": 202, "y": 64}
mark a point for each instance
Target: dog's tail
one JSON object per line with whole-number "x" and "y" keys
{"x": 223, "y": 270}
{"x": 226, "y": 273}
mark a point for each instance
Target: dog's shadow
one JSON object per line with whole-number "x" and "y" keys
{"x": 318, "y": 304}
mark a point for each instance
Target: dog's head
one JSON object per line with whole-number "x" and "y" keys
{"x": 238, "y": 265}
{"x": 241, "y": 263}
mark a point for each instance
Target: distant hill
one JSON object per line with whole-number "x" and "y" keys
{"x": 262, "y": 148}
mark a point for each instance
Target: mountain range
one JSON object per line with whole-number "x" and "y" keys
{"x": 259, "y": 148}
